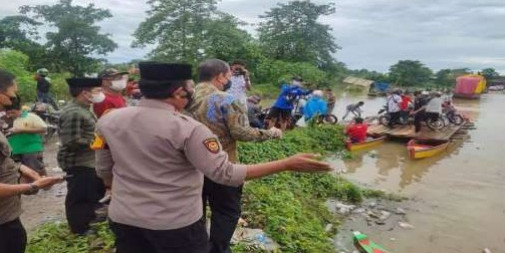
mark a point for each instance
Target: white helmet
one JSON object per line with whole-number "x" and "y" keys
{"x": 318, "y": 93}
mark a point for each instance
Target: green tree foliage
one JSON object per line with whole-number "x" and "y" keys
{"x": 77, "y": 39}
{"x": 20, "y": 33}
{"x": 17, "y": 63}
{"x": 490, "y": 73}
{"x": 371, "y": 75}
{"x": 178, "y": 28}
{"x": 460, "y": 72}
{"x": 279, "y": 72}
{"x": 226, "y": 41}
{"x": 291, "y": 32}
{"x": 444, "y": 78}
{"x": 16, "y": 32}
{"x": 409, "y": 73}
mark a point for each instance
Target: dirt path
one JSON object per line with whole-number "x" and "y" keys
{"x": 46, "y": 205}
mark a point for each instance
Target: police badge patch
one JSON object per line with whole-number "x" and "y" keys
{"x": 212, "y": 144}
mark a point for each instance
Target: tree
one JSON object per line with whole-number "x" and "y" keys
{"x": 490, "y": 73}
{"x": 291, "y": 32}
{"x": 409, "y": 73}
{"x": 16, "y": 62}
{"x": 445, "y": 78}
{"x": 225, "y": 40}
{"x": 178, "y": 28}
{"x": 16, "y": 32}
{"x": 20, "y": 33}
{"x": 77, "y": 39}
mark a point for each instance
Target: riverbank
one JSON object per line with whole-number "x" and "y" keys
{"x": 290, "y": 208}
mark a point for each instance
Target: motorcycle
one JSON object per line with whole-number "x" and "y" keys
{"x": 433, "y": 124}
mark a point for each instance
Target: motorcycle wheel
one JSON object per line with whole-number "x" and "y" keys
{"x": 327, "y": 119}
{"x": 435, "y": 124}
{"x": 383, "y": 120}
{"x": 456, "y": 119}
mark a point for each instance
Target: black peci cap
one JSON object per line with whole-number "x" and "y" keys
{"x": 160, "y": 72}
{"x": 84, "y": 82}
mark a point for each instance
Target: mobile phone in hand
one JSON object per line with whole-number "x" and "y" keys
{"x": 67, "y": 176}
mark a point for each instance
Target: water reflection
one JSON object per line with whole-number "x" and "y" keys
{"x": 457, "y": 194}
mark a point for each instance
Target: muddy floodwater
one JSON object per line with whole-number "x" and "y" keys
{"x": 456, "y": 200}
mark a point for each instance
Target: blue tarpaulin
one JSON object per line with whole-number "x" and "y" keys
{"x": 381, "y": 86}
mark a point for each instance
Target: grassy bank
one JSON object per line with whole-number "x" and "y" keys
{"x": 290, "y": 207}
{"x": 265, "y": 91}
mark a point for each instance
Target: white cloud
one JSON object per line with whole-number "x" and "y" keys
{"x": 372, "y": 34}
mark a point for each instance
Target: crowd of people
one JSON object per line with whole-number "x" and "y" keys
{"x": 161, "y": 162}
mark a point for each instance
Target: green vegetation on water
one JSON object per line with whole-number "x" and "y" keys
{"x": 290, "y": 207}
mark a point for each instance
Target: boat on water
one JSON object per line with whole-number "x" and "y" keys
{"x": 419, "y": 149}
{"x": 365, "y": 245}
{"x": 365, "y": 144}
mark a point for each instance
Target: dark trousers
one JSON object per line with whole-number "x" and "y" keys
{"x": 46, "y": 97}
{"x": 85, "y": 189}
{"x": 190, "y": 239}
{"x": 394, "y": 117}
{"x": 224, "y": 202}
{"x": 418, "y": 119}
{"x": 432, "y": 115}
{"x": 12, "y": 237}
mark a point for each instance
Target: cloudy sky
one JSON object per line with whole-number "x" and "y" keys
{"x": 373, "y": 34}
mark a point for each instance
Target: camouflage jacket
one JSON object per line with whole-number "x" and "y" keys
{"x": 226, "y": 117}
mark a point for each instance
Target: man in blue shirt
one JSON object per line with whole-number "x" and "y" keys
{"x": 281, "y": 111}
{"x": 315, "y": 106}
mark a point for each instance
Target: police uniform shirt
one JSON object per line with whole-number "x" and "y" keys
{"x": 158, "y": 158}
{"x": 10, "y": 207}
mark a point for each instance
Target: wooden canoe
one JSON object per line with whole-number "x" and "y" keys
{"x": 418, "y": 149}
{"x": 363, "y": 145}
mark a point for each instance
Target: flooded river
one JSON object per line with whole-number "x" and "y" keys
{"x": 456, "y": 199}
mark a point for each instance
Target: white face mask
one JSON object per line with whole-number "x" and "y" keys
{"x": 118, "y": 85}
{"x": 97, "y": 98}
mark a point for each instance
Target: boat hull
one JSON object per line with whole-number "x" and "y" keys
{"x": 364, "y": 145}
{"x": 467, "y": 96}
{"x": 418, "y": 150}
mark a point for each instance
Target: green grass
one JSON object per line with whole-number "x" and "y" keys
{"x": 265, "y": 91}
{"x": 290, "y": 207}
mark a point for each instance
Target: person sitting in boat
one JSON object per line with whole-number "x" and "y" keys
{"x": 357, "y": 131}
{"x": 354, "y": 109}
{"x": 315, "y": 106}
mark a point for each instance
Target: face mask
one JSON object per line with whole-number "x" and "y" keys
{"x": 227, "y": 86}
{"x": 97, "y": 98}
{"x": 297, "y": 83}
{"x": 118, "y": 85}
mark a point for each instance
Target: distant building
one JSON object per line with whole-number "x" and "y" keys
{"x": 351, "y": 80}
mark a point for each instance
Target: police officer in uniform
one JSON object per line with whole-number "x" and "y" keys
{"x": 12, "y": 232}
{"x": 155, "y": 159}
